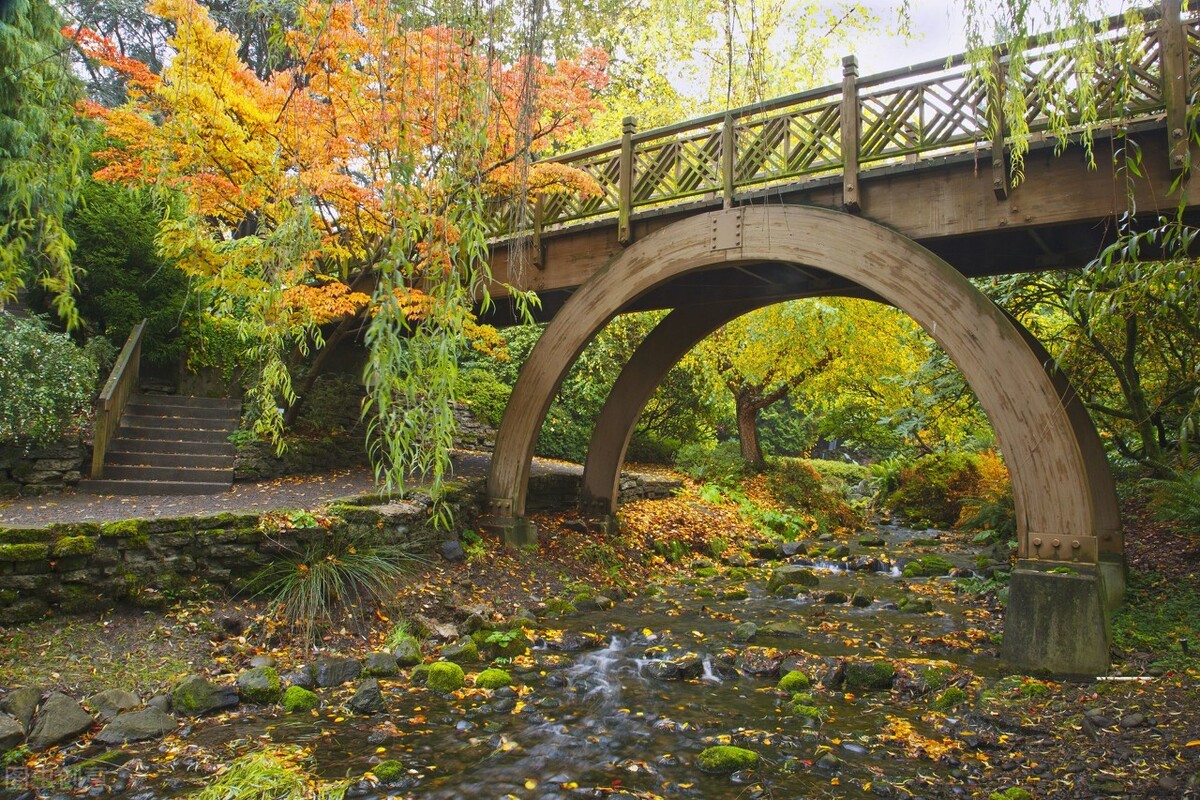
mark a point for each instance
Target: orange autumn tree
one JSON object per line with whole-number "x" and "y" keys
{"x": 343, "y": 191}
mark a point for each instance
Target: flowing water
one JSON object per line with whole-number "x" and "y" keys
{"x": 645, "y": 687}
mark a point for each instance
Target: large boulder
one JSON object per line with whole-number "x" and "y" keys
{"x": 111, "y": 702}
{"x": 260, "y": 685}
{"x": 136, "y": 726}
{"x": 368, "y": 699}
{"x": 12, "y": 733}
{"x": 331, "y": 671}
{"x": 60, "y": 718}
{"x": 197, "y": 695}
{"x": 21, "y": 704}
{"x": 792, "y": 575}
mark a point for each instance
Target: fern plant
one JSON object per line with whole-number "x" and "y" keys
{"x": 1177, "y": 499}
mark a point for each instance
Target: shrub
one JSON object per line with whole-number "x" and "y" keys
{"x": 484, "y": 393}
{"x": 796, "y": 483}
{"x": 342, "y": 573}
{"x": 722, "y": 463}
{"x": 932, "y": 490}
{"x": 46, "y": 381}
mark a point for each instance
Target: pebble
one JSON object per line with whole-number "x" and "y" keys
{"x": 1132, "y": 721}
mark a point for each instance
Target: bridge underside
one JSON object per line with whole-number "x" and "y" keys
{"x": 712, "y": 267}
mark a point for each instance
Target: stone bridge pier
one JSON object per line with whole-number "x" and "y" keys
{"x": 1070, "y": 571}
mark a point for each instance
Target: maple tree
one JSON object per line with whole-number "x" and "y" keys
{"x": 839, "y": 350}
{"x": 347, "y": 194}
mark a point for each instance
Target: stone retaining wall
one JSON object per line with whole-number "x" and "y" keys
{"x": 42, "y": 470}
{"x": 78, "y": 567}
{"x": 86, "y": 566}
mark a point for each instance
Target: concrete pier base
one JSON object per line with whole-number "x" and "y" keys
{"x": 1057, "y": 622}
{"x": 1112, "y": 569}
{"x": 515, "y": 532}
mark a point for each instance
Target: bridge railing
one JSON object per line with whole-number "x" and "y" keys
{"x": 1140, "y": 72}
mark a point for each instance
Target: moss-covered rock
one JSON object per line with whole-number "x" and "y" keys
{"x": 406, "y": 649}
{"x": 735, "y": 593}
{"x": 927, "y": 566}
{"x": 123, "y": 528}
{"x": 808, "y": 713}
{"x": 791, "y": 575}
{"x": 1014, "y": 793}
{"x": 464, "y": 651}
{"x": 794, "y": 681}
{"x": 916, "y": 605}
{"x": 502, "y": 644}
{"x": 558, "y": 607}
{"x": 388, "y": 771}
{"x": 29, "y": 551}
{"x": 73, "y": 546}
{"x": 726, "y": 758}
{"x": 260, "y": 685}
{"x": 493, "y": 679}
{"x": 948, "y": 699}
{"x": 297, "y": 698}
{"x": 869, "y": 675}
{"x": 444, "y": 676}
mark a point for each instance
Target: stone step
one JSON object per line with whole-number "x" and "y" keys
{"x": 188, "y": 474}
{"x": 142, "y": 433}
{"x": 182, "y": 412}
{"x": 184, "y": 401}
{"x": 119, "y": 487}
{"x": 129, "y": 420}
{"x": 135, "y": 458}
{"x": 122, "y": 444}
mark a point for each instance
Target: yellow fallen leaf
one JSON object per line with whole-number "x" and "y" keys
{"x": 531, "y": 784}
{"x": 1193, "y": 743}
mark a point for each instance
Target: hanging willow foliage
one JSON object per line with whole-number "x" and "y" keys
{"x": 354, "y": 190}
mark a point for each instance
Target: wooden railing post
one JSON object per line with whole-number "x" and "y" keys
{"x": 999, "y": 127}
{"x": 850, "y": 133}
{"x": 625, "y": 182}
{"x": 1173, "y": 41}
{"x": 728, "y": 159}
{"x": 110, "y": 404}
{"x": 539, "y": 215}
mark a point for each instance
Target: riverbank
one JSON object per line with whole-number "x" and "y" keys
{"x": 636, "y": 651}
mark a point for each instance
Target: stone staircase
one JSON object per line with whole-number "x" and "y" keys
{"x": 170, "y": 444}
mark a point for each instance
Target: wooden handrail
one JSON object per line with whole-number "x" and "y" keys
{"x": 931, "y": 109}
{"x": 110, "y": 405}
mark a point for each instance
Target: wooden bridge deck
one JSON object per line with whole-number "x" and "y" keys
{"x": 921, "y": 150}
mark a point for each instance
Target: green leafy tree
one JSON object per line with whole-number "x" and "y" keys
{"x": 39, "y": 154}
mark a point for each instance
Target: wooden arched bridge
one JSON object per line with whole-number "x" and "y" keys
{"x": 894, "y": 187}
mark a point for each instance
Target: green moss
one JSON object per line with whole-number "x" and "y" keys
{"x": 297, "y": 698}
{"x": 807, "y": 712}
{"x": 24, "y": 552}
{"x": 557, "y": 607}
{"x": 388, "y": 771}
{"x": 26, "y": 535}
{"x": 916, "y": 605}
{"x": 464, "y": 651}
{"x": 1032, "y": 687}
{"x": 444, "y": 676}
{"x": 705, "y": 593}
{"x": 948, "y": 699}
{"x": 726, "y": 758}
{"x": 1011, "y": 794}
{"x": 794, "y": 681}
{"x": 869, "y": 675}
{"x": 260, "y": 685}
{"x": 74, "y": 546}
{"x": 927, "y": 566}
{"x": 8, "y": 596}
{"x": 803, "y": 699}
{"x": 493, "y": 679}
{"x": 935, "y": 677}
{"x": 736, "y": 593}
{"x": 123, "y": 528}
{"x": 706, "y": 572}
{"x": 739, "y": 574}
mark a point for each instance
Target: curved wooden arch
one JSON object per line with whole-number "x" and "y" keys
{"x": 1054, "y": 501}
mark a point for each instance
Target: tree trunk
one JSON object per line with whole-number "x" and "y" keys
{"x": 747, "y": 420}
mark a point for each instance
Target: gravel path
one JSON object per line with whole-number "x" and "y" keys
{"x": 307, "y": 491}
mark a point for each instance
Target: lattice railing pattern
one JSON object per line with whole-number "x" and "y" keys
{"x": 937, "y": 113}
{"x": 920, "y": 112}
{"x": 790, "y": 144}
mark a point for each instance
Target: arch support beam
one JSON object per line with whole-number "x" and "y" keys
{"x": 671, "y": 339}
{"x": 1058, "y": 627}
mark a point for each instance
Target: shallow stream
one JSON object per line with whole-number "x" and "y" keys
{"x": 622, "y": 701}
